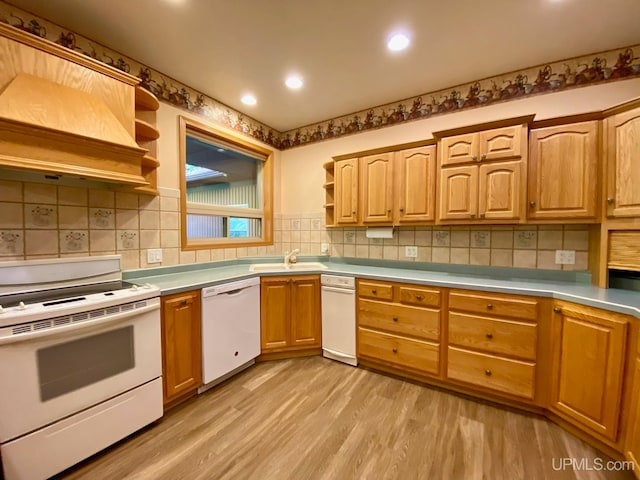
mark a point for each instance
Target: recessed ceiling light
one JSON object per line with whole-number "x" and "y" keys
{"x": 397, "y": 42}
{"x": 249, "y": 99}
{"x": 294, "y": 81}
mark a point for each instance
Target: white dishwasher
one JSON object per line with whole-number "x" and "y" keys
{"x": 230, "y": 329}
{"x": 339, "y": 318}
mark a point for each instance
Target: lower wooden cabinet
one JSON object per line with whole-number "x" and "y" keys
{"x": 290, "y": 313}
{"x": 632, "y": 442}
{"x": 399, "y": 326}
{"x": 589, "y": 347}
{"x": 181, "y": 345}
{"x": 493, "y": 342}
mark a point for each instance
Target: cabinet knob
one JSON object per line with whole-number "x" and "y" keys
{"x": 419, "y": 297}
{"x": 401, "y": 209}
{"x": 483, "y": 156}
{"x": 183, "y": 303}
{"x": 557, "y": 310}
{"x": 532, "y": 203}
{"x": 388, "y": 210}
{"x": 610, "y": 200}
{"x": 374, "y": 291}
{"x": 474, "y": 158}
{"x": 487, "y": 372}
{"x": 489, "y": 306}
{"x": 395, "y": 319}
{"x": 394, "y": 350}
{"x": 489, "y": 335}
{"x": 482, "y": 215}
{"x": 353, "y": 213}
{"x": 473, "y": 215}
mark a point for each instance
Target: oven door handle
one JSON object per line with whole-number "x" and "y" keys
{"x": 82, "y": 325}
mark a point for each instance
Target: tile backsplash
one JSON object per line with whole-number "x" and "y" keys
{"x": 46, "y": 221}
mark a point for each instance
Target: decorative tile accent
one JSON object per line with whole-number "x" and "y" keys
{"x": 127, "y": 240}
{"x": 480, "y": 239}
{"x": 525, "y": 239}
{"x": 40, "y": 216}
{"x": 11, "y": 242}
{"x": 72, "y": 241}
{"x": 441, "y": 238}
{"x": 101, "y": 218}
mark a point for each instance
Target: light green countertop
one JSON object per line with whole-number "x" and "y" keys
{"x": 559, "y": 285}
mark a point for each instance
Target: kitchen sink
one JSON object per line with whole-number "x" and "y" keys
{"x": 281, "y": 267}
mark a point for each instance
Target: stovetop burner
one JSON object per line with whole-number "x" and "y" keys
{"x": 62, "y": 295}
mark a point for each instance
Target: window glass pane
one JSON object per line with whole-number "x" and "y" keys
{"x": 245, "y": 227}
{"x": 205, "y": 226}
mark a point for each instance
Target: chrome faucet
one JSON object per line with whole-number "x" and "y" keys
{"x": 290, "y": 257}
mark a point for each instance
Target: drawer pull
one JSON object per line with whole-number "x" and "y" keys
{"x": 394, "y": 350}
{"x": 419, "y": 297}
{"x": 395, "y": 319}
{"x": 489, "y": 306}
{"x": 374, "y": 292}
{"x": 183, "y": 303}
{"x": 557, "y": 310}
{"x": 489, "y": 335}
{"x": 487, "y": 372}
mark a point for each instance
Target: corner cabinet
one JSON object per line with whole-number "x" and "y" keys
{"x": 290, "y": 314}
{"x": 181, "y": 346}
{"x": 563, "y": 172}
{"x": 483, "y": 176}
{"x": 621, "y": 146}
{"x": 588, "y": 348}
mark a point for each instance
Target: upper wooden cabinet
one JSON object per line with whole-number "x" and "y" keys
{"x": 563, "y": 172}
{"x": 415, "y": 185}
{"x": 621, "y": 146}
{"x": 496, "y": 144}
{"x": 346, "y": 191}
{"x": 376, "y": 188}
{"x": 181, "y": 345}
{"x": 483, "y": 176}
{"x": 589, "y": 348}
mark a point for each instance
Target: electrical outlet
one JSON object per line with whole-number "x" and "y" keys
{"x": 411, "y": 252}
{"x": 565, "y": 257}
{"x": 154, "y": 255}
{"x": 324, "y": 248}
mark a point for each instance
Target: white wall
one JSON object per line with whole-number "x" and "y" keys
{"x": 303, "y": 175}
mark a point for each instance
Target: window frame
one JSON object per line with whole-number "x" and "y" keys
{"x": 187, "y": 125}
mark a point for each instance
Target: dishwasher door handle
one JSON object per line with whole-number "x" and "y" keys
{"x": 344, "y": 291}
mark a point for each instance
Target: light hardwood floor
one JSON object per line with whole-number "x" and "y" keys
{"x": 313, "y": 418}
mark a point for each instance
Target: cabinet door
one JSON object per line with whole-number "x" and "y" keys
{"x": 346, "y": 191}
{"x": 563, "y": 166}
{"x": 306, "y": 329}
{"x": 500, "y": 191}
{"x": 632, "y": 443}
{"x": 588, "y": 353}
{"x": 458, "y": 197}
{"x": 376, "y": 188}
{"x": 623, "y": 165}
{"x": 182, "y": 344}
{"x": 415, "y": 172}
{"x": 502, "y": 143}
{"x": 275, "y": 319}
{"x": 459, "y": 149}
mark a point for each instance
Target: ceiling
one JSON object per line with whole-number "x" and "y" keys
{"x": 226, "y": 48}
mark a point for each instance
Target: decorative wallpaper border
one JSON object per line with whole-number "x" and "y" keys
{"x": 603, "y": 67}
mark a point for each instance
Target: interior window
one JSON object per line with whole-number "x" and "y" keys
{"x": 226, "y": 189}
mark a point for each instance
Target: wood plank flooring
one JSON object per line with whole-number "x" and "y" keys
{"x": 313, "y": 418}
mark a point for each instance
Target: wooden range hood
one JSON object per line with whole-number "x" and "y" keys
{"x": 59, "y": 130}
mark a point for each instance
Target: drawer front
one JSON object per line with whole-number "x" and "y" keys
{"x": 402, "y": 352}
{"x": 379, "y": 290}
{"x": 499, "y": 305}
{"x": 401, "y": 319}
{"x": 500, "y": 374}
{"x": 425, "y": 297}
{"x": 492, "y": 335}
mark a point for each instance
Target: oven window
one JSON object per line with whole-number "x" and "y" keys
{"x": 66, "y": 367}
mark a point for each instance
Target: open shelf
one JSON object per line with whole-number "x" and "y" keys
{"x": 145, "y": 100}
{"x": 146, "y": 132}
{"x": 150, "y": 162}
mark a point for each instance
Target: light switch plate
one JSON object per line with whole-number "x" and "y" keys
{"x": 565, "y": 257}
{"x": 154, "y": 255}
{"x": 411, "y": 252}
